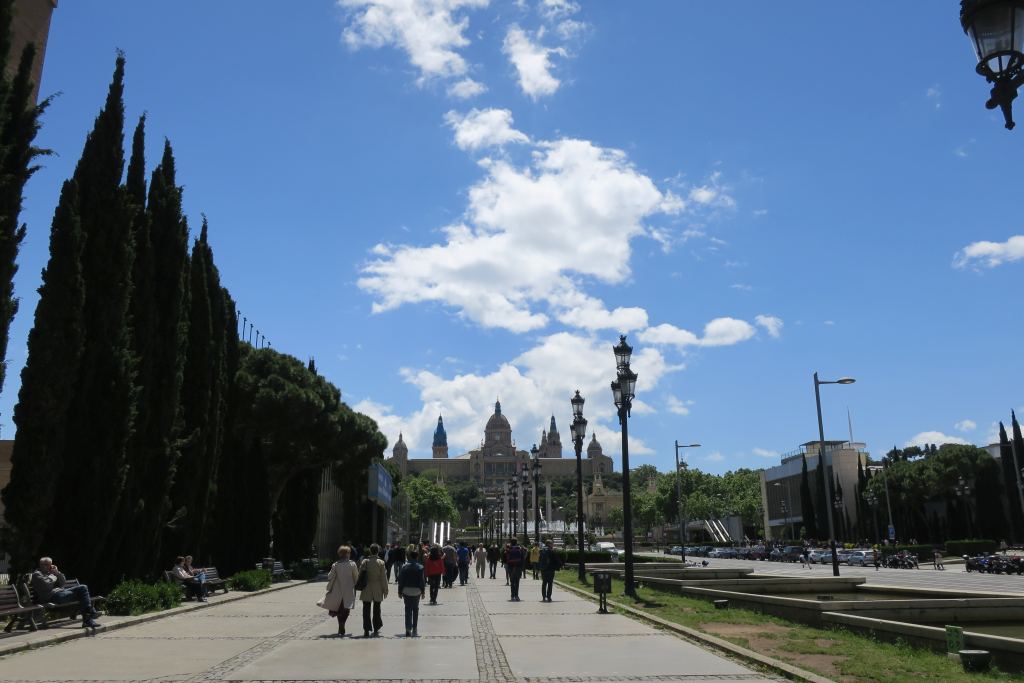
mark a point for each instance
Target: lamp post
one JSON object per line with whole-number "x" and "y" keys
{"x": 838, "y": 505}
{"x": 962, "y": 490}
{"x": 679, "y": 501}
{"x": 996, "y": 31}
{"x": 579, "y": 432}
{"x": 823, "y": 465}
{"x": 623, "y": 392}
{"x": 784, "y": 506}
{"x": 872, "y": 501}
{"x": 535, "y": 468}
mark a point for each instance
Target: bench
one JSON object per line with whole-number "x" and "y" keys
{"x": 50, "y": 610}
{"x": 10, "y": 607}
{"x": 276, "y": 569}
{"x": 213, "y": 581}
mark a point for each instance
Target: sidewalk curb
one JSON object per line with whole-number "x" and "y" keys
{"x": 234, "y": 596}
{"x": 788, "y": 670}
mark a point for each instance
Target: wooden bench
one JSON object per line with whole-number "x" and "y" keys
{"x": 213, "y": 581}
{"x": 276, "y": 569}
{"x": 10, "y": 607}
{"x": 69, "y": 610}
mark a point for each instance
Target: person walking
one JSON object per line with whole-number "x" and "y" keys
{"x": 504, "y": 562}
{"x": 550, "y": 562}
{"x": 493, "y": 555}
{"x": 535, "y": 560}
{"x": 397, "y": 557}
{"x": 875, "y": 557}
{"x": 516, "y": 558}
{"x": 374, "y": 592}
{"x": 451, "y": 564}
{"x": 937, "y": 559}
{"x": 340, "y": 597}
{"x": 463, "y": 554}
{"x": 434, "y": 569}
{"x": 480, "y": 558}
{"x": 411, "y": 586}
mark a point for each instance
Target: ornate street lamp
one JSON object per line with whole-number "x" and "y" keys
{"x": 823, "y": 465}
{"x": 962, "y": 490}
{"x": 623, "y": 392}
{"x": 872, "y": 501}
{"x": 679, "y": 501}
{"x": 535, "y": 468}
{"x": 996, "y": 31}
{"x": 579, "y": 432}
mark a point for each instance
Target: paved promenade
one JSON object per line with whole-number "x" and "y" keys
{"x": 475, "y": 634}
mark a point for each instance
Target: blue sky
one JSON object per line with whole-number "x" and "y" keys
{"x": 445, "y": 201}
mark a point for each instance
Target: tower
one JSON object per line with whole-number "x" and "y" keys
{"x": 440, "y": 448}
{"x": 554, "y": 449}
{"x": 400, "y": 455}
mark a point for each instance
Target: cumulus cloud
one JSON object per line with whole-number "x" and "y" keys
{"x": 484, "y": 128}
{"x": 529, "y": 241}
{"x": 676, "y": 406}
{"x": 430, "y": 32}
{"x": 466, "y": 88}
{"x": 532, "y": 62}
{"x": 937, "y": 438}
{"x": 966, "y": 426}
{"x": 990, "y": 254}
{"x": 765, "y": 453}
{"x": 771, "y": 324}
{"x": 532, "y": 387}
{"x": 718, "y": 332}
{"x": 714, "y": 457}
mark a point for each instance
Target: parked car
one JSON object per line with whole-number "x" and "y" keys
{"x": 820, "y": 556}
{"x": 860, "y": 558}
{"x": 843, "y": 555}
{"x": 743, "y": 553}
{"x": 791, "y": 553}
{"x": 675, "y": 550}
{"x": 758, "y": 552}
{"x": 723, "y": 553}
{"x": 607, "y": 546}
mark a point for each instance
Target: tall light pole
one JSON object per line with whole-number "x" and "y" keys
{"x": 623, "y": 392}
{"x": 579, "y": 432}
{"x": 535, "y": 471}
{"x": 872, "y": 501}
{"x": 785, "y": 505}
{"x": 823, "y": 465}
{"x": 962, "y": 490}
{"x": 679, "y": 501}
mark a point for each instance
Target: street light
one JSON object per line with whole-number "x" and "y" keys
{"x": 679, "y": 502}
{"x": 785, "y": 506}
{"x": 535, "y": 467}
{"x": 623, "y": 392}
{"x": 579, "y": 432}
{"x": 962, "y": 490}
{"x": 872, "y": 501}
{"x": 822, "y": 465}
{"x": 996, "y": 31}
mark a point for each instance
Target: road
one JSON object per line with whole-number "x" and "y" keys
{"x": 953, "y": 578}
{"x": 475, "y": 634}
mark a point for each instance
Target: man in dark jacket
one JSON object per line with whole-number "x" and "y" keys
{"x": 397, "y": 557}
{"x": 412, "y": 585}
{"x": 514, "y": 562}
{"x": 550, "y": 562}
{"x": 492, "y": 558}
{"x": 48, "y": 584}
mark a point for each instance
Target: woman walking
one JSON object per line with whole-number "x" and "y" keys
{"x": 340, "y": 597}
{"x": 375, "y": 591}
{"x": 480, "y": 557}
{"x": 434, "y": 570}
{"x": 410, "y": 586}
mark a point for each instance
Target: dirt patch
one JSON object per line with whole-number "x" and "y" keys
{"x": 766, "y": 638}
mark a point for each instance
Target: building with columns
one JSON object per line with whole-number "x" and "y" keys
{"x": 498, "y": 458}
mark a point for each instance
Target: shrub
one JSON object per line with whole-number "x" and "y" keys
{"x": 303, "y": 570}
{"x": 135, "y": 597}
{"x": 970, "y": 547}
{"x": 252, "y": 580}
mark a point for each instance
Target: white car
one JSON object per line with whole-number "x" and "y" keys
{"x": 860, "y": 558}
{"x": 820, "y": 556}
{"x": 607, "y": 546}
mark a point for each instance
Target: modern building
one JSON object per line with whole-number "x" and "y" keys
{"x": 780, "y": 485}
{"x": 30, "y": 24}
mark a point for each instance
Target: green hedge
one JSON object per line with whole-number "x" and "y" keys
{"x": 573, "y": 556}
{"x": 135, "y": 597}
{"x": 972, "y": 547}
{"x": 252, "y": 580}
{"x": 303, "y": 571}
{"x": 923, "y": 552}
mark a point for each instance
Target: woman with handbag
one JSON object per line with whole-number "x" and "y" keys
{"x": 373, "y": 578}
{"x": 340, "y": 597}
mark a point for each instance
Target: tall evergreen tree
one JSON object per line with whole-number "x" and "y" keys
{"x": 47, "y": 385}
{"x": 19, "y": 123}
{"x": 103, "y": 407}
{"x": 821, "y": 501}
{"x": 807, "y": 503}
{"x": 862, "y": 512}
{"x": 1015, "y": 517}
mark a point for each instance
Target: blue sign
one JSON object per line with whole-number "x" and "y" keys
{"x": 378, "y": 485}
{"x": 892, "y": 533}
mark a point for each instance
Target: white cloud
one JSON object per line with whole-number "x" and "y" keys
{"x": 966, "y": 426}
{"x": 934, "y": 93}
{"x": 484, "y": 128}
{"x": 429, "y": 31}
{"x": 532, "y": 387}
{"x": 531, "y": 237}
{"x": 677, "y": 406}
{"x": 765, "y": 453}
{"x": 830, "y": 323}
{"x": 937, "y": 438}
{"x": 990, "y": 254}
{"x": 771, "y": 324}
{"x": 466, "y": 88}
{"x": 714, "y": 457}
{"x": 532, "y": 62}
{"x": 741, "y": 287}
{"x": 718, "y": 332}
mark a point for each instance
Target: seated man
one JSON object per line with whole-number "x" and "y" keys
{"x": 193, "y": 586}
{"x": 48, "y": 583}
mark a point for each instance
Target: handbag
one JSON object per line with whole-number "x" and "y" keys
{"x": 361, "y": 581}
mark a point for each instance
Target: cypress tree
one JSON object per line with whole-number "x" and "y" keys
{"x": 820, "y": 498}
{"x": 19, "y": 123}
{"x": 296, "y": 516}
{"x": 47, "y": 385}
{"x": 862, "y": 512}
{"x": 1015, "y": 517}
{"x": 807, "y": 504}
{"x": 103, "y": 406}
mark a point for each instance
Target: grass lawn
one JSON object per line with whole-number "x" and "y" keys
{"x": 832, "y": 652}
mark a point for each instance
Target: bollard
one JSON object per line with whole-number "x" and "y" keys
{"x": 975, "y": 660}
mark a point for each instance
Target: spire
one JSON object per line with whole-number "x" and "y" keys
{"x": 553, "y": 429}
{"x": 440, "y": 436}
{"x": 497, "y": 407}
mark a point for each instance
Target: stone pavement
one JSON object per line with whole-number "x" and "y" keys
{"x": 474, "y": 634}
